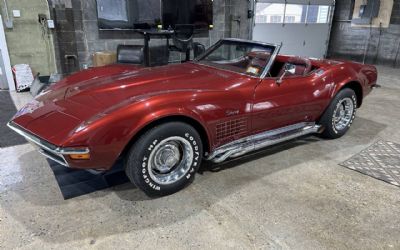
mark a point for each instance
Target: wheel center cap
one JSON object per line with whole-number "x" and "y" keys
{"x": 170, "y": 161}
{"x": 167, "y": 157}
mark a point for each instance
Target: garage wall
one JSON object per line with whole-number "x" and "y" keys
{"x": 78, "y": 33}
{"x": 92, "y": 39}
{"x": 349, "y": 42}
{"x": 240, "y": 26}
{"x": 26, "y": 41}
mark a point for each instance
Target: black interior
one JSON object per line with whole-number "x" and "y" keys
{"x": 276, "y": 68}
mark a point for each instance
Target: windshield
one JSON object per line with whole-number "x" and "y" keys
{"x": 241, "y": 57}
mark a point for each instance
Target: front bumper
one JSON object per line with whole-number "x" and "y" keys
{"x": 46, "y": 148}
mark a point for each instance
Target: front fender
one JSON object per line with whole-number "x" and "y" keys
{"x": 108, "y": 133}
{"x": 161, "y": 108}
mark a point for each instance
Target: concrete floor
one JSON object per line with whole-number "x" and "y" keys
{"x": 290, "y": 196}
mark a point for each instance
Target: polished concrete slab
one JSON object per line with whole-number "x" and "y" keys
{"x": 293, "y": 195}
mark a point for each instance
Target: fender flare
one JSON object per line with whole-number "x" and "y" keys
{"x": 175, "y": 113}
{"x": 351, "y": 83}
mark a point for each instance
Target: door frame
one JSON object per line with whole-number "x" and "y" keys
{"x": 6, "y": 57}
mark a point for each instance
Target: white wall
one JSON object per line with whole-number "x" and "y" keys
{"x": 5, "y": 57}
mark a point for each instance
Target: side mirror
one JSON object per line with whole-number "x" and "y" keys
{"x": 289, "y": 68}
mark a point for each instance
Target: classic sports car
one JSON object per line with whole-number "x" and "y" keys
{"x": 238, "y": 96}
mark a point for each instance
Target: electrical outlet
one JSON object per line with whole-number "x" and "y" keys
{"x": 16, "y": 13}
{"x": 50, "y": 24}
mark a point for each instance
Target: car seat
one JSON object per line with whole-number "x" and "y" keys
{"x": 302, "y": 66}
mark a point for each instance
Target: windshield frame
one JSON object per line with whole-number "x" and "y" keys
{"x": 275, "y": 50}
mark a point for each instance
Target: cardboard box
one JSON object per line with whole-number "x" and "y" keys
{"x": 102, "y": 58}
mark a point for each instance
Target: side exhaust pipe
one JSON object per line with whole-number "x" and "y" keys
{"x": 262, "y": 140}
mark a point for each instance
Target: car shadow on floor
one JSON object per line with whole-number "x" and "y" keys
{"x": 124, "y": 208}
{"x": 265, "y": 152}
{"x": 210, "y": 167}
{"x": 275, "y": 158}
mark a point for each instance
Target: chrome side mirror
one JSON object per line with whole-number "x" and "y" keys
{"x": 289, "y": 68}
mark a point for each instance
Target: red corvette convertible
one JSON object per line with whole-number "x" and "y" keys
{"x": 239, "y": 96}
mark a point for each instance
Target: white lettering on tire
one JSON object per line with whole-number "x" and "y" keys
{"x": 196, "y": 151}
{"x": 196, "y": 157}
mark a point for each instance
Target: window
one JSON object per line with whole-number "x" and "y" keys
{"x": 318, "y": 14}
{"x": 241, "y": 57}
{"x": 292, "y": 13}
{"x": 261, "y": 19}
{"x": 275, "y": 19}
{"x": 295, "y": 13}
{"x": 269, "y": 12}
{"x": 290, "y": 19}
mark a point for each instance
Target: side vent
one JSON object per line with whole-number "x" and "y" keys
{"x": 229, "y": 129}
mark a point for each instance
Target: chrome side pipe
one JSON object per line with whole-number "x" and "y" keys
{"x": 261, "y": 140}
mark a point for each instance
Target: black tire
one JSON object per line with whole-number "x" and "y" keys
{"x": 152, "y": 146}
{"x": 327, "y": 120}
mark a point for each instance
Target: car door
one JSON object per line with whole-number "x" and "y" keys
{"x": 296, "y": 99}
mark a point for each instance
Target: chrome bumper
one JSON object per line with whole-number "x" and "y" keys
{"x": 46, "y": 148}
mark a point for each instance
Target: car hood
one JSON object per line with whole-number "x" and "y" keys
{"x": 102, "y": 91}
{"x": 58, "y": 111}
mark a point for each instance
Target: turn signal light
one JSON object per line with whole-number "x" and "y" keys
{"x": 80, "y": 156}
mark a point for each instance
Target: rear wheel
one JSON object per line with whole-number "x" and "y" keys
{"x": 340, "y": 114}
{"x": 165, "y": 159}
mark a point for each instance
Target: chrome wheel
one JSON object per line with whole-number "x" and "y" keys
{"x": 170, "y": 160}
{"x": 343, "y": 113}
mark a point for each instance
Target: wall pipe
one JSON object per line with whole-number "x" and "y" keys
{"x": 397, "y": 55}
{"x": 379, "y": 43}
{"x": 6, "y": 7}
{"x": 370, "y": 36}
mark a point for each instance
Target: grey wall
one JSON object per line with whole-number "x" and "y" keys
{"x": 351, "y": 42}
{"x": 28, "y": 41}
{"x": 77, "y": 31}
{"x": 239, "y": 25}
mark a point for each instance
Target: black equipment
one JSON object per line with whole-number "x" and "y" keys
{"x": 198, "y": 49}
{"x": 182, "y": 39}
{"x": 140, "y": 55}
{"x": 132, "y": 54}
{"x": 128, "y": 14}
{"x": 148, "y": 14}
{"x": 198, "y": 13}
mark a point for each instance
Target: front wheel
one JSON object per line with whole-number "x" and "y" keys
{"x": 340, "y": 114}
{"x": 165, "y": 159}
